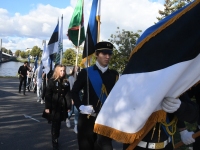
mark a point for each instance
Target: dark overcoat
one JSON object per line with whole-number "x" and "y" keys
{"x": 57, "y": 100}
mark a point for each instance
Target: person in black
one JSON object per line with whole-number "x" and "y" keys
{"x": 194, "y": 92}
{"x": 22, "y": 71}
{"x": 184, "y": 110}
{"x": 93, "y": 97}
{"x": 57, "y": 102}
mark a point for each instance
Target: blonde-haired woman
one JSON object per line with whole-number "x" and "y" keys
{"x": 57, "y": 101}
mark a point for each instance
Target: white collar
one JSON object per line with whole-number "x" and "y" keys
{"x": 103, "y": 69}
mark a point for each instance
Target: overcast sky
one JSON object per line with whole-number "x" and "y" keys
{"x": 25, "y": 23}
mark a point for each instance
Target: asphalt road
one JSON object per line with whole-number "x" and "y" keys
{"x": 20, "y": 133}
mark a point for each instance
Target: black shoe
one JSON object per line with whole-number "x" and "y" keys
{"x": 19, "y": 91}
{"x": 55, "y": 148}
{"x": 24, "y": 94}
{"x": 55, "y": 144}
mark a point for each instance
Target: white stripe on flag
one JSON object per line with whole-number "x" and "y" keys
{"x": 136, "y": 96}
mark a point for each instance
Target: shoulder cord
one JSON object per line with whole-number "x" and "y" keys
{"x": 173, "y": 127}
{"x": 103, "y": 90}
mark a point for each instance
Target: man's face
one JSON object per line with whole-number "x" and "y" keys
{"x": 25, "y": 64}
{"x": 103, "y": 58}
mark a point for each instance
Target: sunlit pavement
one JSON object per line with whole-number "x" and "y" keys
{"x": 21, "y": 124}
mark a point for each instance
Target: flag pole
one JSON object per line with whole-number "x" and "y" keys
{"x": 77, "y": 48}
{"x": 77, "y": 51}
{"x": 99, "y": 21}
{"x": 61, "y": 42}
{"x": 88, "y": 102}
{"x": 44, "y": 48}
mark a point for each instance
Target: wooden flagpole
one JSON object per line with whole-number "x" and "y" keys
{"x": 195, "y": 135}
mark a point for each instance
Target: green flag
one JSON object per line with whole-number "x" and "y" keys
{"x": 76, "y": 21}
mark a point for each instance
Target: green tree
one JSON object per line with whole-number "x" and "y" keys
{"x": 27, "y": 53}
{"x": 36, "y": 51}
{"x": 17, "y": 53}
{"x": 124, "y": 42}
{"x": 69, "y": 57}
{"x": 171, "y": 6}
{"x": 23, "y": 54}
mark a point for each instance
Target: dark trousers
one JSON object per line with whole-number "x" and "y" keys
{"x": 103, "y": 143}
{"x": 86, "y": 136}
{"x": 168, "y": 147}
{"x": 22, "y": 80}
{"x": 55, "y": 132}
{"x": 43, "y": 91}
{"x": 55, "y": 129}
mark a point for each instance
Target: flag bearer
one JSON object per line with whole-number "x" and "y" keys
{"x": 100, "y": 82}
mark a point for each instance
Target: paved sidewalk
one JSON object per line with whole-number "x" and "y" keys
{"x": 20, "y": 133}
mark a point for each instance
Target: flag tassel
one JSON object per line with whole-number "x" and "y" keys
{"x": 133, "y": 138}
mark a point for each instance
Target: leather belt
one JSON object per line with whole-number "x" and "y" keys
{"x": 93, "y": 114}
{"x": 159, "y": 145}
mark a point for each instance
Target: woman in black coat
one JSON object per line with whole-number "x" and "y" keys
{"x": 57, "y": 102}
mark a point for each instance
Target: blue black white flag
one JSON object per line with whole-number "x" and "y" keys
{"x": 52, "y": 46}
{"x": 92, "y": 31}
{"x": 164, "y": 63}
{"x": 60, "y": 44}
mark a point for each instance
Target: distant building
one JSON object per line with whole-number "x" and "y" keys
{"x": 28, "y": 49}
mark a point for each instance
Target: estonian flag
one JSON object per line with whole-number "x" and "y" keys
{"x": 52, "y": 46}
{"x": 60, "y": 45}
{"x": 91, "y": 34}
{"x": 164, "y": 63}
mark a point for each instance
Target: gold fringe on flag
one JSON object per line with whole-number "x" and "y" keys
{"x": 123, "y": 137}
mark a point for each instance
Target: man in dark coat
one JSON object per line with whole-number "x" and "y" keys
{"x": 96, "y": 88}
{"x": 22, "y": 71}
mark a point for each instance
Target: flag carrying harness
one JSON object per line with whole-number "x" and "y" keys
{"x": 171, "y": 125}
{"x": 97, "y": 84}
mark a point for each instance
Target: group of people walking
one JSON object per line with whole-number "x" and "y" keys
{"x": 84, "y": 93}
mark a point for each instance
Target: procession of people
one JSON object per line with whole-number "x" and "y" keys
{"x": 144, "y": 107}
{"x": 61, "y": 95}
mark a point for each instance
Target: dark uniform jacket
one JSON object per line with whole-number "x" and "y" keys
{"x": 195, "y": 92}
{"x": 188, "y": 111}
{"x": 57, "y": 99}
{"x": 109, "y": 78}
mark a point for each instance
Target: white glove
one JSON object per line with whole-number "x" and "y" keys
{"x": 186, "y": 137}
{"x": 86, "y": 109}
{"x": 170, "y": 104}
